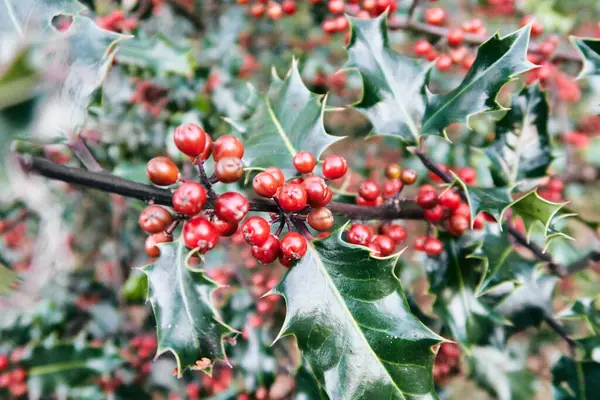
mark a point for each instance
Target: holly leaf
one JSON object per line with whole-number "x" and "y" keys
{"x": 287, "y": 120}
{"x": 353, "y": 324}
{"x": 8, "y": 279}
{"x": 454, "y": 277}
{"x": 521, "y": 149}
{"x": 578, "y": 379}
{"x": 499, "y": 61}
{"x": 534, "y": 209}
{"x": 157, "y": 54}
{"x": 586, "y": 309}
{"x": 33, "y": 17}
{"x": 502, "y": 373}
{"x": 589, "y": 49}
{"x": 392, "y": 83}
{"x": 493, "y": 201}
{"x": 501, "y": 262}
{"x": 187, "y": 324}
{"x": 55, "y": 367}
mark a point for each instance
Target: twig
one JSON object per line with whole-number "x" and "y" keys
{"x": 195, "y": 17}
{"x": 583, "y": 263}
{"x": 205, "y": 180}
{"x": 420, "y": 27}
{"x": 412, "y": 9}
{"x": 80, "y": 149}
{"x": 560, "y": 330}
{"x": 113, "y": 184}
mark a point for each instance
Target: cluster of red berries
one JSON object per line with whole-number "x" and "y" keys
{"x": 370, "y": 8}
{"x": 447, "y": 363}
{"x": 12, "y": 380}
{"x": 272, "y": 9}
{"x": 139, "y": 353}
{"x": 117, "y": 22}
{"x": 151, "y": 97}
{"x": 201, "y": 231}
{"x": 371, "y": 194}
{"x": 382, "y": 243}
{"x": 553, "y": 190}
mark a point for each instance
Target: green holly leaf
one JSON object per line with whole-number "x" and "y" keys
{"x": 502, "y": 373}
{"x": 454, "y": 277}
{"x": 534, "y": 209}
{"x": 586, "y": 309}
{"x": 288, "y": 119}
{"x": 589, "y": 49}
{"x": 8, "y": 278}
{"x": 157, "y": 54}
{"x": 501, "y": 262}
{"x": 499, "y": 60}
{"x": 521, "y": 149}
{"x": 33, "y": 17}
{"x": 187, "y": 324}
{"x": 56, "y": 367}
{"x": 492, "y": 200}
{"x": 578, "y": 379}
{"x": 392, "y": 83}
{"x": 353, "y": 324}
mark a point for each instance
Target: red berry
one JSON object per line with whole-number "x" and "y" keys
{"x": 376, "y": 251}
{"x": 200, "y": 233}
{"x": 329, "y": 26}
{"x": 434, "y": 214}
{"x": 435, "y": 16}
{"x": 536, "y": 28}
{"x": 256, "y": 231}
{"x": 427, "y": 199}
{"x": 450, "y": 199}
{"x": 208, "y": 145}
{"x": 396, "y": 232}
{"x": 162, "y": 171}
{"x": 224, "y": 228}
{"x": 3, "y": 362}
{"x": 189, "y": 198}
{"x": 420, "y": 243}
{"x": 286, "y": 261}
{"x": 18, "y": 389}
{"x": 459, "y": 224}
{"x": 334, "y": 167}
{"x": 409, "y": 176}
{"x": 289, "y": 7}
{"x": 422, "y": 47}
{"x": 257, "y": 10}
{"x": 229, "y": 169}
{"x": 4, "y": 380}
{"x": 391, "y": 187}
{"x": 336, "y": 6}
{"x": 277, "y": 174}
{"x": 293, "y": 245}
{"x": 274, "y": 11}
{"x": 227, "y": 146}
{"x": 190, "y": 139}
{"x": 444, "y": 62}
{"x": 264, "y": 184}
{"x": 153, "y": 219}
{"x": 462, "y": 209}
{"x": 316, "y": 190}
{"x": 18, "y": 375}
{"x": 231, "y": 207}
{"x": 369, "y": 190}
{"x": 468, "y": 175}
{"x": 479, "y": 222}
{"x": 385, "y": 243}
{"x": 292, "y": 197}
{"x": 468, "y": 62}
{"x": 321, "y": 219}
{"x": 268, "y": 251}
{"x": 359, "y": 234}
{"x": 456, "y": 37}
{"x": 433, "y": 247}
{"x": 304, "y": 162}
{"x": 556, "y": 185}
{"x": 341, "y": 23}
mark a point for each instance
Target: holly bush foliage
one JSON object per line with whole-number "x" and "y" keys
{"x": 452, "y": 245}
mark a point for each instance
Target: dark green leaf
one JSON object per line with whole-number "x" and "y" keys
{"x": 135, "y": 287}
{"x": 187, "y": 324}
{"x": 578, "y": 379}
{"x": 288, "y": 119}
{"x": 392, "y": 83}
{"x": 492, "y": 200}
{"x": 157, "y": 54}
{"x": 353, "y": 324}
{"x": 589, "y": 49}
{"x": 498, "y": 61}
{"x": 587, "y": 309}
{"x": 521, "y": 149}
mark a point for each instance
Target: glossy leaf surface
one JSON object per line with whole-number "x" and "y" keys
{"x": 589, "y": 49}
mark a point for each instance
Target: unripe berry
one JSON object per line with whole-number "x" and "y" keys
{"x": 393, "y": 171}
{"x": 293, "y": 245}
{"x": 359, "y": 234}
{"x": 190, "y": 139}
{"x": 385, "y": 244}
{"x": 256, "y": 231}
{"x": 229, "y": 169}
{"x": 200, "y": 233}
{"x": 154, "y": 219}
{"x": 304, "y": 162}
{"x": 268, "y": 251}
{"x": 321, "y": 219}
{"x": 334, "y": 167}
{"x": 369, "y": 190}
{"x": 231, "y": 207}
{"x": 151, "y": 243}
{"x": 292, "y": 197}
{"x": 227, "y": 146}
{"x": 162, "y": 171}
{"x": 409, "y": 176}
{"x": 189, "y": 198}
